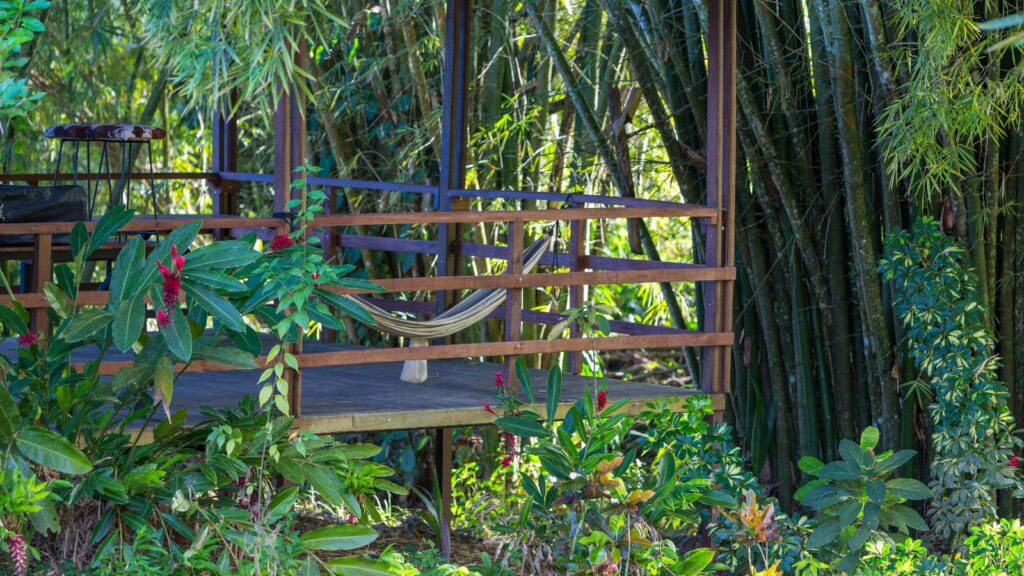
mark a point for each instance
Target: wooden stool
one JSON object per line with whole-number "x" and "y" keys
{"x": 125, "y": 135}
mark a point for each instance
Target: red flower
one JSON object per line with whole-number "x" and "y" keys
{"x": 19, "y": 553}
{"x": 280, "y": 242}
{"x": 602, "y": 399}
{"x": 506, "y": 461}
{"x": 316, "y": 276}
{"x": 172, "y": 278}
{"x": 178, "y": 260}
{"x": 487, "y": 407}
{"x": 1014, "y": 461}
{"x": 163, "y": 319}
{"x": 28, "y": 339}
{"x": 498, "y": 380}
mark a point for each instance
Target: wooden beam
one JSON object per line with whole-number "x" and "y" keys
{"x": 441, "y": 351}
{"x": 454, "y": 417}
{"x": 476, "y": 216}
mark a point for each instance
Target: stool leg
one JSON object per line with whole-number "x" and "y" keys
{"x": 74, "y": 163}
{"x": 60, "y": 153}
{"x": 152, "y": 181}
{"x": 124, "y": 174}
{"x": 110, "y": 182}
{"x": 88, "y": 176}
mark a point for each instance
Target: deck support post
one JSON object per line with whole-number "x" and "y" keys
{"x": 514, "y": 300}
{"x": 443, "y": 475}
{"x": 721, "y": 168}
{"x": 225, "y": 159}
{"x": 577, "y": 294}
{"x": 453, "y": 134}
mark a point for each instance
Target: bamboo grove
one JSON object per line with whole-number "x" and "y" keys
{"x": 607, "y": 97}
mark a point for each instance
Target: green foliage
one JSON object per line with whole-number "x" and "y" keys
{"x": 936, "y": 298}
{"x": 591, "y": 507}
{"x": 18, "y": 25}
{"x": 168, "y": 506}
{"x": 951, "y": 100}
{"x": 991, "y": 548}
{"x": 855, "y": 500}
{"x": 213, "y": 49}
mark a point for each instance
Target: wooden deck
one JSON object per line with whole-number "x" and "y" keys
{"x": 372, "y": 397}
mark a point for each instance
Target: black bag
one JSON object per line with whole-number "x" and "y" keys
{"x": 25, "y": 204}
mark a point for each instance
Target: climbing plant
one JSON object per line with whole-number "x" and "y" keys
{"x": 935, "y": 297}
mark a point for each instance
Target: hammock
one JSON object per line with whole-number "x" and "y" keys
{"x": 466, "y": 313}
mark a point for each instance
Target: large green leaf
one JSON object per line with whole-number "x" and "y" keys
{"x": 11, "y": 322}
{"x": 553, "y": 392}
{"x": 281, "y": 504}
{"x": 525, "y": 382}
{"x": 129, "y": 320}
{"x": 127, "y": 268}
{"x": 178, "y": 336}
{"x": 227, "y": 355}
{"x": 810, "y": 465}
{"x": 355, "y": 566}
{"x": 824, "y": 534}
{"x": 346, "y": 305}
{"x": 9, "y": 415}
{"x": 219, "y": 308}
{"x": 87, "y": 323}
{"x": 52, "y": 451}
{"x": 338, "y": 537}
{"x": 696, "y": 561}
{"x": 522, "y": 427}
{"x": 163, "y": 383}
{"x": 909, "y": 488}
{"x": 216, "y": 280}
{"x": 876, "y": 491}
{"x": 115, "y": 219}
{"x": 219, "y": 255}
{"x": 869, "y": 438}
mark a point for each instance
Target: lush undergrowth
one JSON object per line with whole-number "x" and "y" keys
{"x": 601, "y": 491}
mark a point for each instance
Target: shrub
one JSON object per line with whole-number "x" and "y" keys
{"x": 198, "y": 499}
{"x": 856, "y": 502}
{"x": 597, "y": 505}
{"x": 948, "y": 337}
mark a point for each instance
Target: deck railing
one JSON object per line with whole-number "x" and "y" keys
{"x": 574, "y": 269}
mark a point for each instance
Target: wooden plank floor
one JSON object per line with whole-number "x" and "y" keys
{"x": 372, "y": 397}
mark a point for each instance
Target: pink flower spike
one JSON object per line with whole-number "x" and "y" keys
{"x": 602, "y": 400}
{"x": 28, "y": 339}
{"x": 163, "y": 319}
{"x": 1015, "y": 461}
{"x": 164, "y": 270}
{"x": 498, "y": 380}
{"x": 506, "y": 461}
{"x": 487, "y": 408}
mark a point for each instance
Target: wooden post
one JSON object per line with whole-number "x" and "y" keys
{"x": 225, "y": 159}
{"x": 577, "y": 294}
{"x": 443, "y": 471}
{"x": 721, "y": 165}
{"x": 282, "y": 154}
{"x": 452, "y": 177}
{"x": 514, "y": 299}
{"x": 453, "y": 133}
